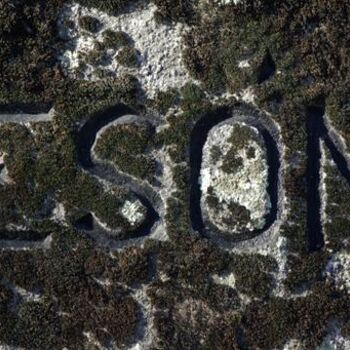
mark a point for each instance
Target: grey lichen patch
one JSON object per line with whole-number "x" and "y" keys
{"x": 234, "y": 178}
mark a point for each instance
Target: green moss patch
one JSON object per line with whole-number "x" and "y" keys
{"x": 90, "y": 24}
{"x": 112, "y": 7}
{"x": 128, "y": 57}
{"x": 115, "y": 40}
{"x": 126, "y": 146}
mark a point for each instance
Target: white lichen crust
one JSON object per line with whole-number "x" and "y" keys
{"x": 234, "y": 178}
{"x": 134, "y": 212}
{"x": 159, "y": 47}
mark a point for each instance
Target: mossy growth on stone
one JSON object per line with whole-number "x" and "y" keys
{"x": 336, "y": 209}
{"x": 128, "y": 57}
{"x": 231, "y": 181}
{"x": 96, "y": 57}
{"x": 212, "y": 199}
{"x": 103, "y": 73}
{"x": 239, "y": 216}
{"x": 308, "y": 45}
{"x": 175, "y": 10}
{"x": 29, "y": 40}
{"x": 215, "y": 153}
{"x": 127, "y": 146}
{"x": 115, "y": 39}
{"x": 251, "y": 152}
{"x": 164, "y": 100}
{"x": 128, "y": 137}
{"x": 231, "y": 162}
{"x": 9, "y": 15}
{"x": 338, "y": 111}
{"x": 71, "y": 303}
{"x": 90, "y": 24}
{"x": 112, "y": 7}
{"x": 87, "y": 194}
{"x": 253, "y": 274}
{"x": 82, "y": 99}
{"x": 240, "y": 136}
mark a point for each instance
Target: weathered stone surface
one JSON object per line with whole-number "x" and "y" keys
{"x": 234, "y": 178}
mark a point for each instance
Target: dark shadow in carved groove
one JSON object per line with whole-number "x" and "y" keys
{"x": 85, "y": 223}
{"x": 267, "y": 69}
{"x": 28, "y": 108}
{"x": 84, "y": 142}
{"x": 198, "y": 139}
{"x": 23, "y": 236}
{"x": 317, "y": 130}
{"x": 314, "y": 128}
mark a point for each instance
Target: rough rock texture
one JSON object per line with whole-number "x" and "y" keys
{"x": 172, "y": 288}
{"x": 236, "y": 175}
{"x": 159, "y": 47}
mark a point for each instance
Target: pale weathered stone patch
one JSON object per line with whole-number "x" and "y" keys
{"x": 245, "y": 186}
{"x": 159, "y": 45}
{"x": 133, "y": 211}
